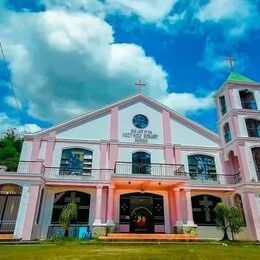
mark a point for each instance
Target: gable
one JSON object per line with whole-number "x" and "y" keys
{"x": 184, "y": 134}
{"x": 127, "y": 132}
{"x": 97, "y": 128}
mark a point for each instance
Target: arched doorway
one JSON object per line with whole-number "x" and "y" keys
{"x": 142, "y": 212}
{"x": 10, "y": 196}
{"x": 203, "y": 209}
{"x": 60, "y": 200}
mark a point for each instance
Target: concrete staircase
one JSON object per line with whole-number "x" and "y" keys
{"x": 147, "y": 237}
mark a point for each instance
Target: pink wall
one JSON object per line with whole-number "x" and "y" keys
{"x": 30, "y": 212}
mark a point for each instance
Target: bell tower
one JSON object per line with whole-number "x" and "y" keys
{"x": 238, "y": 109}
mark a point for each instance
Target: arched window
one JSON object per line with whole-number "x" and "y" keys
{"x": 203, "y": 165}
{"x": 253, "y": 127}
{"x": 256, "y": 156}
{"x": 239, "y": 204}
{"x": 76, "y": 161}
{"x": 227, "y": 133}
{"x": 203, "y": 209}
{"x": 247, "y": 99}
{"x": 223, "y": 106}
{"x": 141, "y": 163}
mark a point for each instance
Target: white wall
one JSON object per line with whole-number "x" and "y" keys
{"x": 96, "y": 129}
{"x": 182, "y": 134}
{"x": 42, "y": 152}
{"x": 26, "y": 151}
{"x": 125, "y": 121}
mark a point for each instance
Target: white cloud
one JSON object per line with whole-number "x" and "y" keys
{"x": 148, "y": 10}
{"x": 10, "y": 101}
{"x": 239, "y": 15}
{"x": 6, "y": 123}
{"x": 217, "y": 10}
{"x": 64, "y": 64}
{"x": 188, "y": 103}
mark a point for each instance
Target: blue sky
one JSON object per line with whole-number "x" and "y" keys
{"x": 68, "y": 57}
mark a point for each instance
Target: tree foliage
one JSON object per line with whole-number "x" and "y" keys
{"x": 68, "y": 213}
{"x": 10, "y": 149}
{"x": 228, "y": 218}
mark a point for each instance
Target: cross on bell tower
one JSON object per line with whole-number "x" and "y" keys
{"x": 230, "y": 60}
{"x": 140, "y": 85}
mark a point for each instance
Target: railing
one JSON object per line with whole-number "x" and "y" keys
{"x": 77, "y": 174}
{"x": 22, "y": 167}
{"x": 151, "y": 169}
{"x": 215, "y": 179}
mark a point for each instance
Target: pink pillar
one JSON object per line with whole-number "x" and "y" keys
{"x": 98, "y": 210}
{"x": 171, "y": 209}
{"x": 113, "y": 153}
{"x": 177, "y": 151}
{"x": 103, "y": 155}
{"x": 179, "y": 221}
{"x": 252, "y": 215}
{"x": 231, "y": 98}
{"x": 243, "y": 163}
{"x": 110, "y": 205}
{"x": 30, "y": 212}
{"x": 190, "y": 221}
{"x": 114, "y": 124}
{"x": 49, "y": 149}
{"x": 35, "y": 149}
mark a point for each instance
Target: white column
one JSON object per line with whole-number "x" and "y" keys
{"x": 21, "y": 213}
{"x": 190, "y": 221}
{"x": 177, "y": 196}
{"x": 110, "y": 205}
{"x": 98, "y": 209}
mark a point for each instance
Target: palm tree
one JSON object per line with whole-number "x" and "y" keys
{"x": 228, "y": 217}
{"x": 68, "y": 213}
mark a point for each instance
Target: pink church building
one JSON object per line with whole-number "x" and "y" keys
{"x": 136, "y": 166}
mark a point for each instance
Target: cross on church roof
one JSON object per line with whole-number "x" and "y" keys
{"x": 139, "y": 85}
{"x": 230, "y": 60}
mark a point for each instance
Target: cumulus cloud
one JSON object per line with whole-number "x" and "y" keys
{"x": 188, "y": 102}
{"x": 10, "y": 101}
{"x": 239, "y": 15}
{"x": 6, "y": 123}
{"x": 147, "y": 10}
{"x": 66, "y": 63}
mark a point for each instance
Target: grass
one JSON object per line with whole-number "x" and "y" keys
{"x": 77, "y": 250}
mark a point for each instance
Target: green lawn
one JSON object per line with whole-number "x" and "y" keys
{"x": 77, "y": 250}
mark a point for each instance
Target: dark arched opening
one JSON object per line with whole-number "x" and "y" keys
{"x": 10, "y": 196}
{"x": 141, "y": 213}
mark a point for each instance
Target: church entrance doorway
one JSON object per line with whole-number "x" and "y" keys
{"x": 142, "y": 212}
{"x": 61, "y": 199}
{"x": 10, "y": 196}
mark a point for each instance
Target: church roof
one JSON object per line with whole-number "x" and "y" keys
{"x": 139, "y": 97}
{"x": 234, "y": 76}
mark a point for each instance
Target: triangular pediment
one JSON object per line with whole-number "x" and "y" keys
{"x": 99, "y": 120}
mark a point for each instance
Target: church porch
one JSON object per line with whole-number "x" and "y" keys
{"x": 162, "y": 205}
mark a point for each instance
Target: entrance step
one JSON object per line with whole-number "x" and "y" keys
{"x": 6, "y": 236}
{"x": 148, "y": 237}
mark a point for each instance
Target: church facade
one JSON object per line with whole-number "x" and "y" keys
{"x": 136, "y": 166}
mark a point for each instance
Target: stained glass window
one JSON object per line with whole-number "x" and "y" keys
{"x": 141, "y": 163}
{"x": 76, "y": 161}
{"x": 202, "y": 165}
